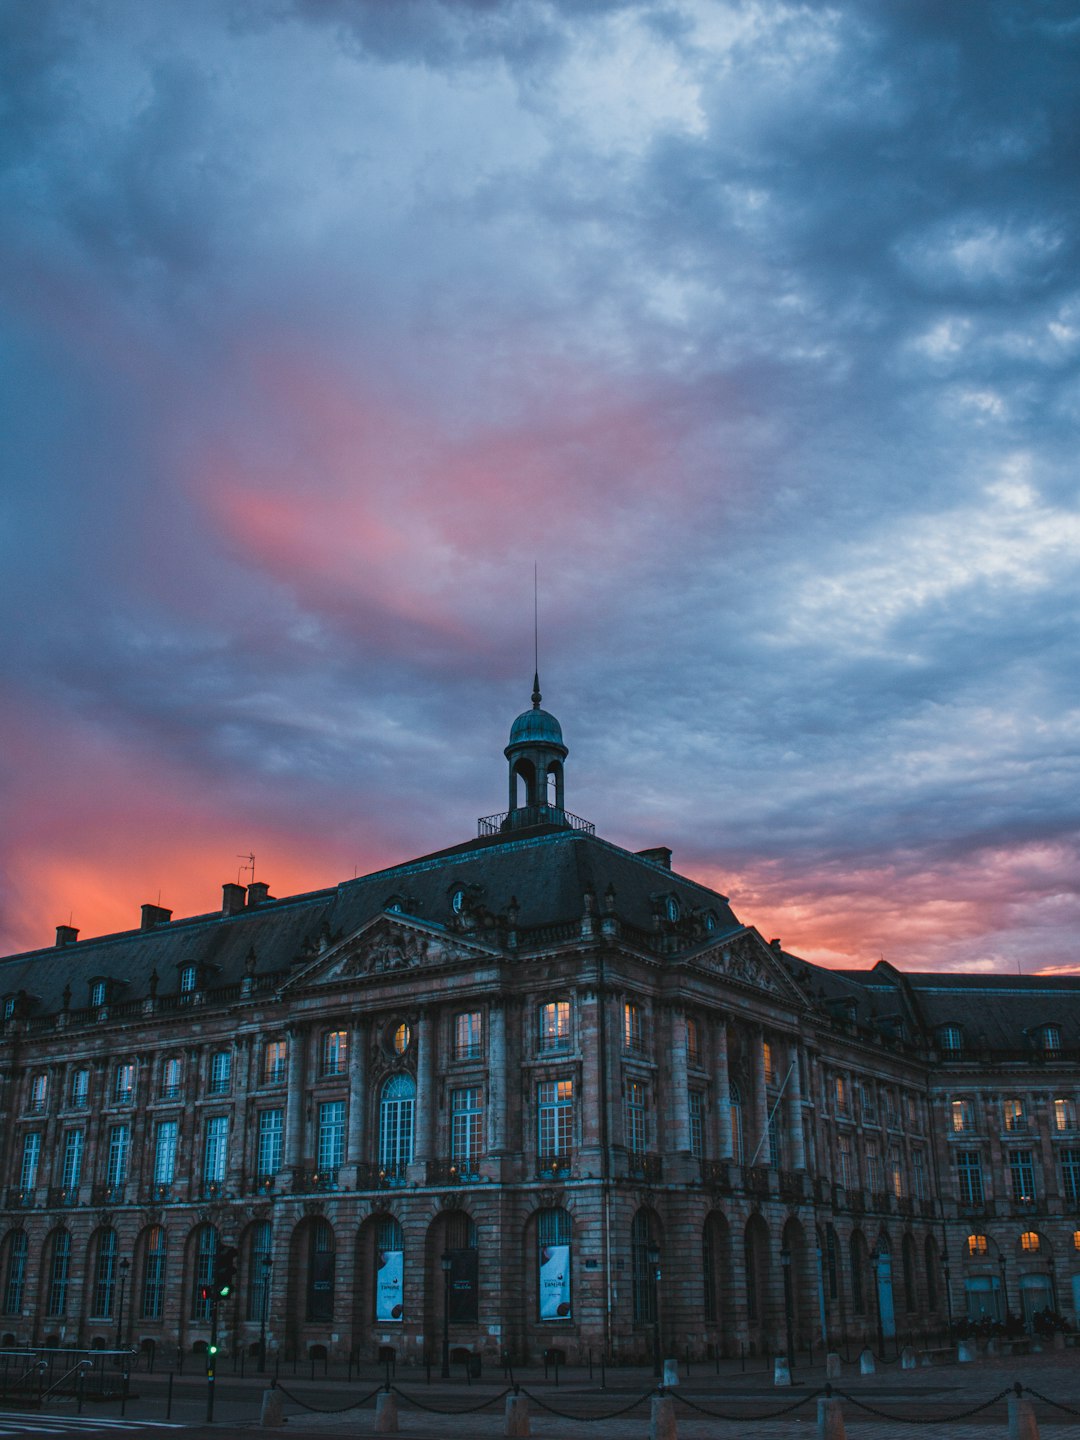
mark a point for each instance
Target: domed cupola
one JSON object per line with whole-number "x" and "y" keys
{"x": 536, "y": 753}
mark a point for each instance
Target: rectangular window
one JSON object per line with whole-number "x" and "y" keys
{"x": 58, "y": 1275}
{"x": 918, "y": 1174}
{"x": 467, "y": 1035}
{"x": 124, "y": 1088}
{"x": 1022, "y": 1176}
{"x": 963, "y": 1116}
{"x": 271, "y": 1134}
{"x": 636, "y": 1132}
{"x": 1014, "y": 1116}
{"x": 767, "y": 1062}
{"x": 697, "y": 1123}
{"x": 896, "y": 1172}
{"x": 220, "y": 1072}
{"x": 869, "y": 1104}
{"x": 693, "y": 1042}
{"x": 117, "y": 1166}
{"x": 105, "y": 1274}
{"x": 71, "y": 1172}
{"x": 170, "y": 1079}
{"x": 331, "y": 1135}
{"x": 1070, "y": 1174}
{"x": 165, "y": 1141}
{"x": 215, "y": 1150}
{"x": 1064, "y": 1115}
{"x": 466, "y": 1126}
{"x": 555, "y": 1111}
{"x": 39, "y": 1090}
{"x": 633, "y": 1028}
{"x": 335, "y": 1052}
{"x": 153, "y": 1292}
{"x": 80, "y": 1089}
{"x": 847, "y": 1166}
{"x": 275, "y": 1060}
{"x": 873, "y": 1168}
{"x": 555, "y": 1025}
{"x": 840, "y": 1095}
{"x": 969, "y": 1176}
{"x": 31, "y": 1154}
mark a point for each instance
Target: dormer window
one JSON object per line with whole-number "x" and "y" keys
{"x": 189, "y": 979}
{"x": 671, "y": 905}
{"x": 457, "y": 900}
{"x": 951, "y": 1039}
{"x": 9, "y": 1007}
{"x": 711, "y": 921}
{"x": 1049, "y": 1039}
{"x": 99, "y": 992}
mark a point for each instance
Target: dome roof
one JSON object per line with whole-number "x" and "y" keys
{"x": 536, "y": 726}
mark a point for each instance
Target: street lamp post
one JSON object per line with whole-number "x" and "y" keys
{"x": 785, "y": 1263}
{"x": 120, "y": 1307}
{"x": 445, "y": 1262}
{"x": 267, "y": 1265}
{"x": 654, "y": 1269}
{"x": 822, "y": 1301}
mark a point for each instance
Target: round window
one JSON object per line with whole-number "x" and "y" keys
{"x": 672, "y": 908}
{"x": 402, "y": 1037}
{"x": 457, "y": 901}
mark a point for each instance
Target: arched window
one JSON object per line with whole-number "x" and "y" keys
{"x": 832, "y": 1262}
{"x": 643, "y": 1269}
{"x": 736, "y": 1122}
{"x": 104, "y": 1274}
{"x": 153, "y": 1276}
{"x": 259, "y": 1271}
{"x": 553, "y": 1231}
{"x": 464, "y": 1256}
{"x": 202, "y": 1272}
{"x": 396, "y": 1125}
{"x": 911, "y": 1298}
{"x": 389, "y": 1272}
{"x": 15, "y": 1279}
{"x": 320, "y": 1289}
{"x": 59, "y": 1269}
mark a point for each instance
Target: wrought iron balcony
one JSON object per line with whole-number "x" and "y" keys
{"x": 108, "y": 1194}
{"x": 381, "y": 1177}
{"x": 757, "y": 1180}
{"x": 554, "y": 1167}
{"x": 318, "y": 1181}
{"x": 20, "y": 1198}
{"x": 715, "y": 1174}
{"x": 525, "y": 817}
{"x": 792, "y": 1187}
{"x": 452, "y": 1172}
{"x": 63, "y": 1195}
{"x": 645, "y": 1167}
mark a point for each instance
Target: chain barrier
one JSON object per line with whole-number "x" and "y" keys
{"x": 921, "y": 1419}
{"x": 1057, "y": 1404}
{"x": 322, "y": 1409}
{"x": 611, "y": 1415}
{"x": 464, "y": 1410}
{"x": 771, "y": 1415}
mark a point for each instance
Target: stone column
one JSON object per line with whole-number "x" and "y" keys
{"x": 496, "y": 1096}
{"x": 759, "y": 1141}
{"x": 294, "y": 1108}
{"x": 679, "y": 1107}
{"x": 793, "y": 1099}
{"x": 589, "y": 1017}
{"x": 354, "y": 1153}
{"x": 723, "y": 1093}
{"x": 425, "y": 1088}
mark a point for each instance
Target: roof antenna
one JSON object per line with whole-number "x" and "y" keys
{"x": 250, "y": 866}
{"x": 536, "y": 696}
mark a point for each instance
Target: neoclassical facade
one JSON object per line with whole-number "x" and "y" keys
{"x": 536, "y": 1083}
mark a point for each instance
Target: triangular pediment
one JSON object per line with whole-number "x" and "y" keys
{"x": 389, "y": 942}
{"x": 746, "y": 958}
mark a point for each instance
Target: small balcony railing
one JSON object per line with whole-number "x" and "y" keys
{"x": 160, "y": 1192}
{"x": 756, "y": 1180}
{"x": 61, "y": 1196}
{"x": 108, "y": 1194}
{"x": 316, "y": 1181}
{"x": 21, "y": 1198}
{"x": 856, "y": 1201}
{"x": 171, "y": 1092}
{"x": 381, "y": 1177}
{"x": 792, "y": 1187}
{"x": 554, "y": 1167}
{"x": 714, "y": 1173}
{"x": 645, "y": 1167}
{"x": 452, "y": 1172}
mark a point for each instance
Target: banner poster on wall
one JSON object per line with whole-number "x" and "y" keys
{"x": 555, "y": 1282}
{"x": 388, "y": 1285}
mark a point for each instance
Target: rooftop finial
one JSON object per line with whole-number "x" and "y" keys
{"x": 536, "y": 696}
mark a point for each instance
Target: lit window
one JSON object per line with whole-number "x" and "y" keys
{"x": 977, "y": 1245}
{"x": 840, "y": 1094}
{"x": 555, "y": 1025}
{"x": 467, "y": 1035}
{"x": 767, "y": 1061}
{"x": 188, "y": 977}
{"x": 1029, "y": 1241}
{"x": 555, "y": 1113}
{"x": 1076, "y": 1239}
{"x": 633, "y": 1031}
{"x": 9, "y": 1007}
{"x": 220, "y": 1072}
{"x": 1064, "y": 1115}
{"x": 1022, "y": 1176}
{"x": 275, "y": 1059}
{"x": 124, "y": 1089}
{"x": 963, "y": 1116}
{"x": 97, "y": 993}
{"x": 1015, "y": 1118}
{"x": 402, "y": 1038}
{"x": 335, "y": 1052}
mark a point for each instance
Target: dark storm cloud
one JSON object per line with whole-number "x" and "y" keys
{"x": 756, "y": 324}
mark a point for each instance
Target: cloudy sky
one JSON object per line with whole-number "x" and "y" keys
{"x": 754, "y": 325}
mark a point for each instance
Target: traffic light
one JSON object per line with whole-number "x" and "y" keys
{"x": 224, "y": 1271}
{"x": 204, "y": 1292}
{"x": 211, "y": 1349}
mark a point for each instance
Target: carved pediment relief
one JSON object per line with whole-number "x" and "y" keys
{"x": 389, "y": 943}
{"x": 747, "y": 959}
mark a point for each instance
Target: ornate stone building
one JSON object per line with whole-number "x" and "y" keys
{"x": 537, "y": 1083}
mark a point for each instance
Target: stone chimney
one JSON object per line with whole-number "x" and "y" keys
{"x": 154, "y": 915}
{"x": 232, "y": 899}
{"x": 658, "y": 854}
{"x": 257, "y": 892}
{"x": 66, "y": 935}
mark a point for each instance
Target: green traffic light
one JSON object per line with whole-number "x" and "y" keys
{"x": 224, "y": 1291}
{"x": 212, "y": 1349}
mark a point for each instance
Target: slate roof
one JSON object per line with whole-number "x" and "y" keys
{"x": 547, "y": 872}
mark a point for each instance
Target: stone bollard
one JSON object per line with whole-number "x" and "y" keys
{"x": 908, "y": 1358}
{"x": 781, "y": 1373}
{"x": 671, "y": 1374}
{"x": 832, "y": 1366}
{"x": 993, "y": 1347}
{"x": 866, "y": 1363}
{"x": 386, "y": 1413}
{"x": 1022, "y": 1423}
{"x": 830, "y": 1420}
{"x": 1058, "y": 1341}
{"x": 516, "y": 1418}
{"x": 272, "y": 1407}
{"x": 966, "y": 1352}
{"x": 662, "y": 1419}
